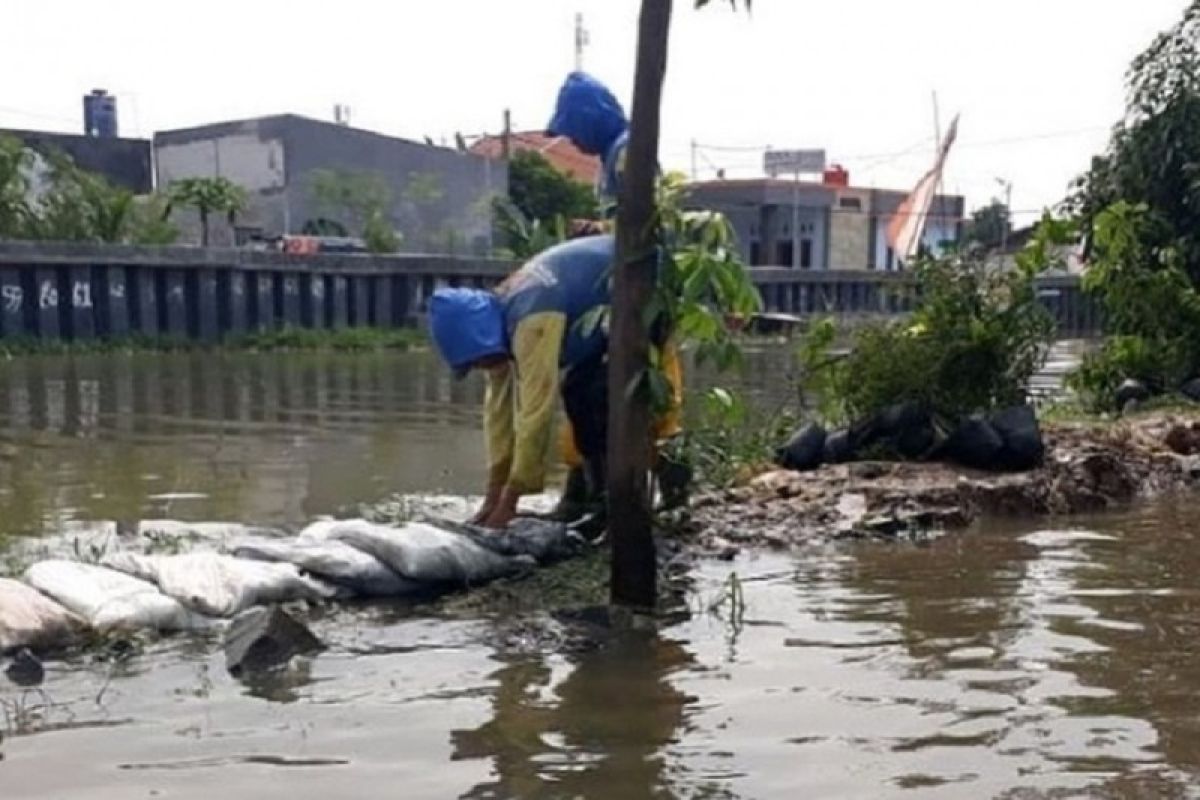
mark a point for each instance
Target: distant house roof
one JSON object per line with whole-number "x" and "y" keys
{"x": 558, "y": 150}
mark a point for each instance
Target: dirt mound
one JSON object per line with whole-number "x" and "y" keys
{"x": 1088, "y": 467}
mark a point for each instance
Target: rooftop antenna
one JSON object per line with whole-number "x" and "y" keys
{"x": 582, "y": 40}
{"x": 341, "y": 114}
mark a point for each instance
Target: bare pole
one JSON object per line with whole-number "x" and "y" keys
{"x": 630, "y": 439}
{"x": 938, "y": 198}
{"x": 582, "y": 40}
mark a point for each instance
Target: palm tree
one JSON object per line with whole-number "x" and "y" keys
{"x": 207, "y": 196}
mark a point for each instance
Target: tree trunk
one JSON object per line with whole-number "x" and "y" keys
{"x": 630, "y": 446}
{"x": 203, "y": 228}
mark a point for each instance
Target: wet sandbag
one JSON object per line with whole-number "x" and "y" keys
{"x": 917, "y": 442}
{"x": 839, "y": 447}
{"x": 323, "y": 530}
{"x": 357, "y": 572}
{"x": 804, "y": 451}
{"x": 544, "y": 541}
{"x": 428, "y": 554}
{"x": 110, "y": 600}
{"x": 1130, "y": 394}
{"x": 975, "y": 444}
{"x": 220, "y": 585}
{"x": 30, "y": 619}
{"x": 1022, "y": 437}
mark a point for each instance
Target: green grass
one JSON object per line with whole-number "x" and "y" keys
{"x": 343, "y": 339}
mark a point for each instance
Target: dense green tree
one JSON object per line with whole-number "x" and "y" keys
{"x": 1153, "y": 159}
{"x": 989, "y": 226}
{"x": 542, "y": 193}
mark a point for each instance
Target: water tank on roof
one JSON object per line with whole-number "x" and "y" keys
{"x": 100, "y": 114}
{"x": 838, "y": 176}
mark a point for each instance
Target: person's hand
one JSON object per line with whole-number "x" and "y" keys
{"x": 585, "y": 227}
{"x": 490, "y": 501}
{"x": 504, "y": 511}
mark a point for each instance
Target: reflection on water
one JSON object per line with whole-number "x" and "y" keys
{"x": 1009, "y": 661}
{"x": 603, "y": 720}
{"x": 271, "y": 438}
{"x": 1006, "y": 662}
{"x": 264, "y": 438}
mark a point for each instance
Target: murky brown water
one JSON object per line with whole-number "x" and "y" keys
{"x": 1005, "y": 662}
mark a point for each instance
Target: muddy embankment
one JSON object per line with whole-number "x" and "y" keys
{"x": 1089, "y": 467}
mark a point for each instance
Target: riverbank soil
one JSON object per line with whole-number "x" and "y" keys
{"x": 1089, "y": 466}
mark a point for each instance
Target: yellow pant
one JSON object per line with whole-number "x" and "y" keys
{"x": 666, "y": 426}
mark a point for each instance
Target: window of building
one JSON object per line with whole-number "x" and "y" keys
{"x": 755, "y": 254}
{"x": 852, "y": 203}
{"x": 783, "y": 253}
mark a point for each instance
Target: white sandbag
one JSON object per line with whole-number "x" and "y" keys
{"x": 108, "y": 599}
{"x": 220, "y": 585}
{"x": 324, "y": 530}
{"x": 30, "y": 619}
{"x": 427, "y": 554}
{"x": 337, "y": 562}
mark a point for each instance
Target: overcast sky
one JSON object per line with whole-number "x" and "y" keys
{"x": 1038, "y": 82}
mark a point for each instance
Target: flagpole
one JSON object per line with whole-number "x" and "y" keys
{"x": 937, "y": 144}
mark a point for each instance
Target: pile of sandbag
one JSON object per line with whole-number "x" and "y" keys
{"x": 30, "y": 619}
{"x": 132, "y": 590}
{"x": 1009, "y": 440}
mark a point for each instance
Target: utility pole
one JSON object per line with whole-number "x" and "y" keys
{"x": 1007, "y": 221}
{"x": 938, "y": 197}
{"x": 630, "y": 440}
{"x": 506, "y": 147}
{"x": 796, "y": 220}
{"x": 582, "y": 40}
{"x": 695, "y": 147}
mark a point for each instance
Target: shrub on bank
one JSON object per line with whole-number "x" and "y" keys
{"x": 1152, "y": 308}
{"x": 976, "y": 337}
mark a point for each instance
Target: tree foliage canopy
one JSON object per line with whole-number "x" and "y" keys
{"x": 1153, "y": 159}
{"x": 542, "y": 193}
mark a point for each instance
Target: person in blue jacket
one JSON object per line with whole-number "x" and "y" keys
{"x": 531, "y": 338}
{"x": 590, "y": 116}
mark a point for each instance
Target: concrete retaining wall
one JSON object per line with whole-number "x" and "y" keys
{"x": 81, "y": 292}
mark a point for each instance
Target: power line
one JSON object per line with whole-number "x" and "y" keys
{"x": 1021, "y": 139}
{"x": 36, "y": 115}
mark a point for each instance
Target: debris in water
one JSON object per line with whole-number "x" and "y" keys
{"x": 262, "y": 638}
{"x": 25, "y": 670}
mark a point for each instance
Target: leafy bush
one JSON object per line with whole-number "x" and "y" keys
{"x": 525, "y": 237}
{"x": 1153, "y": 309}
{"x": 1140, "y": 208}
{"x": 703, "y": 283}
{"x": 977, "y": 336}
{"x": 72, "y": 204}
{"x": 725, "y": 440}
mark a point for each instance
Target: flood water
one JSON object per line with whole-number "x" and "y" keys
{"x": 1007, "y": 661}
